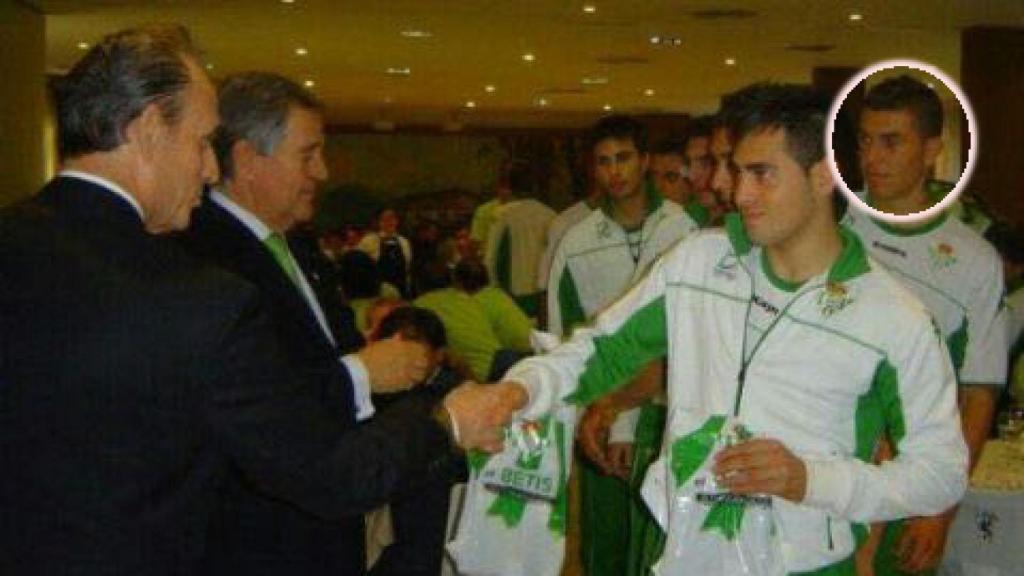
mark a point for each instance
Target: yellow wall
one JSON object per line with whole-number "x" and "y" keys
{"x": 23, "y": 107}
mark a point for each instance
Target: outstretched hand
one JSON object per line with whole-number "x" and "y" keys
{"x": 480, "y": 412}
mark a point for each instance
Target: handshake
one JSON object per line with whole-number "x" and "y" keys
{"x": 474, "y": 414}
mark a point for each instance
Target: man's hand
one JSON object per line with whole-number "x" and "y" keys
{"x": 922, "y": 542}
{"x": 620, "y": 458}
{"x": 593, "y": 432}
{"x": 762, "y": 466}
{"x": 395, "y": 364}
{"x": 479, "y": 413}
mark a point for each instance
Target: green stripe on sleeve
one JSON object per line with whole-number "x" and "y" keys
{"x": 569, "y": 302}
{"x": 619, "y": 356}
{"x": 957, "y": 344}
{"x": 887, "y": 382}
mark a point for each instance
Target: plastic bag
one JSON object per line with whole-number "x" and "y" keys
{"x": 515, "y": 510}
{"x": 709, "y": 531}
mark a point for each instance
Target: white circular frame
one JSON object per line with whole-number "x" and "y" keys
{"x": 972, "y": 153}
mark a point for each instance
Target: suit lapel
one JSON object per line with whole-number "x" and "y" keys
{"x": 254, "y": 262}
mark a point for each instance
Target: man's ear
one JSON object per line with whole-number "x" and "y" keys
{"x": 243, "y": 157}
{"x": 147, "y": 131}
{"x": 932, "y": 148}
{"x": 821, "y": 178}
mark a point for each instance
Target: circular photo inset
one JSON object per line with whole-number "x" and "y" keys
{"x": 895, "y": 141}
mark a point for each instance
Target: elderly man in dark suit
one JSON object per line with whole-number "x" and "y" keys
{"x": 138, "y": 383}
{"x": 269, "y": 147}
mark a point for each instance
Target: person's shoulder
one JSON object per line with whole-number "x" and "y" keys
{"x": 704, "y": 245}
{"x": 979, "y": 253}
{"x": 887, "y": 302}
{"x": 581, "y": 235}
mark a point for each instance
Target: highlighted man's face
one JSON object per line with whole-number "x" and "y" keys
{"x": 895, "y": 157}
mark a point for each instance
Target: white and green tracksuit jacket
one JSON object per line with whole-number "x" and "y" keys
{"x": 959, "y": 277}
{"x": 852, "y": 354}
{"x": 593, "y": 264}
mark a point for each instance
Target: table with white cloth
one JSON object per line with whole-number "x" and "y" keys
{"x": 987, "y": 537}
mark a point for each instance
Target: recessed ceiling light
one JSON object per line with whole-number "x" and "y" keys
{"x": 529, "y": 57}
{"x": 300, "y": 51}
{"x": 309, "y": 83}
{"x": 856, "y": 17}
{"x": 417, "y": 34}
{"x": 607, "y": 108}
{"x": 589, "y": 8}
{"x": 209, "y": 65}
{"x": 287, "y": 1}
{"x": 594, "y": 80}
{"x": 490, "y": 88}
{"x": 470, "y": 104}
{"x": 666, "y": 40}
{"x": 83, "y": 45}
{"x": 930, "y": 85}
{"x": 649, "y": 92}
{"x": 730, "y": 61}
{"x": 388, "y": 100}
{"x": 398, "y": 71}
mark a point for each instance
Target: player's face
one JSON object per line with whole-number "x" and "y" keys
{"x": 666, "y": 172}
{"x": 619, "y": 168}
{"x": 894, "y": 156}
{"x": 721, "y": 173}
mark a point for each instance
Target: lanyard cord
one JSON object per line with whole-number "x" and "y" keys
{"x": 745, "y": 362}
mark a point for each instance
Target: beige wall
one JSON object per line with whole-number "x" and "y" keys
{"x": 23, "y": 108}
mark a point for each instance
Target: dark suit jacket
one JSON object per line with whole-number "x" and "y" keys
{"x": 257, "y": 534}
{"x": 136, "y": 385}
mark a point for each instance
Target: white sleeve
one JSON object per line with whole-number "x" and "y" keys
{"x": 361, "y": 393}
{"x": 985, "y": 359}
{"x": 929, "y": 473}
{"x": 558, "y": 267}
{"x": 627, "y": 346}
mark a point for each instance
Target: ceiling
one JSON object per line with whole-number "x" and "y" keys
{"x": 471, "y": 44}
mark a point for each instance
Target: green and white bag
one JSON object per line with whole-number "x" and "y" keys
{"x": 515, "y": 510}
{"x": 709, "y": 531}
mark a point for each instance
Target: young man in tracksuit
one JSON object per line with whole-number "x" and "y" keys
{"x": 955, "y": 272}
{"x": 782, "y": 325}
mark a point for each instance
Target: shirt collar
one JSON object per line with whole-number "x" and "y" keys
{"x": 109, "y": 185}
{"x": 852, "y": 261}
{"x": 260, "y": 230}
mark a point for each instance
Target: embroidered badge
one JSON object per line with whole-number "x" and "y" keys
{"x": 942, "y": 255}
{"x": 833, "y": 298}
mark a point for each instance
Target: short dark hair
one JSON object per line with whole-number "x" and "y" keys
{"x": 471, "y": 275}
{"x": 906, "y": 93}
{"x": 619, "y": 127}
{"x": 799, "y": 111}
{"x": 699, "y": 127}
{"x": 669, "y": 146}
{"x": 416, "y": 324}
{"x": 115, "y": 81}
{"x": 254, "y": 106}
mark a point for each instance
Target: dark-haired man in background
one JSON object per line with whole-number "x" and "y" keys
{"x": 950, "y": 267}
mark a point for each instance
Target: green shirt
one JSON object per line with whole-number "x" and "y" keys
{"x": 510, "y": 324}
{"x": 469, "y": 332}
